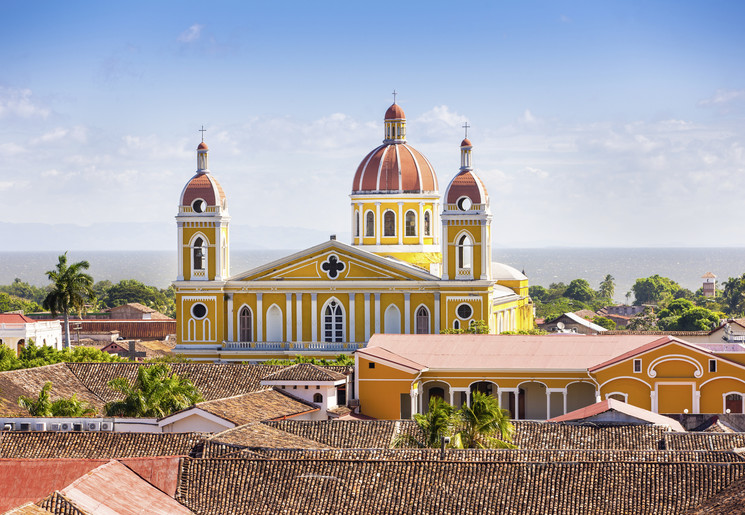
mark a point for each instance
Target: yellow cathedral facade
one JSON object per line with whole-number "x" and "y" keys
{"x": 419, "y": 263}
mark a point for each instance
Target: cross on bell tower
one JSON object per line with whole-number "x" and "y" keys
{"x": 466, "y": 126}
{"x": 202, "y": 130}
{"x": 394, "y": 96}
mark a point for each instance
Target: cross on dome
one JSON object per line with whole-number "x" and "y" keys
{"x": 394, "y": 96}
{"x": 466, "y": 126}
{"x": 202, "y": 130}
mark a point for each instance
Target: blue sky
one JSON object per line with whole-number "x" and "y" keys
{"x": 594, "y": 123}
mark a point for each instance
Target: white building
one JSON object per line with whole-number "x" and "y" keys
{"x": 17, "y": 330}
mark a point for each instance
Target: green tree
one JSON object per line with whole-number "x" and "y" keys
{"x": 10, "y": 302}
{"x": 652, "y": 290}
{"x": 733, "y": 296}
{"x": 484, "y": 424}
{"x": 579, "y": 289}
{"x": 156, "y": 393}
{"x": 24, "y": 290}
{"x": 604, "y": 322}
{"x": 607, "y": 287}
{"x": 43, "y": 406}
{"x": 431, "y": 426}
{"x": 697, "y": 319}
{"x": 130, "y": 290}
{"x": 675, "y": 308}
{"x": 644, "y": 321}
{"x": 71, "y": 289}
{"x": 341, "y": 360}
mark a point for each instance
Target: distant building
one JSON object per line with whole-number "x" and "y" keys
{"x": 16, "y": 330}
{"x": 571, "y": 323}
{"x": 623, "y": 309}
{"x": 710, "y": 284}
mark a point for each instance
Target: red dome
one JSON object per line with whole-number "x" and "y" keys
{"x": 466, "y": 184}
{"x": 394, "y": 168}
{"x": 466, "y": 143}
{"x": 203, "y": 146}
{"x": 395, "y": 113}
{"x": 204, "y": 186}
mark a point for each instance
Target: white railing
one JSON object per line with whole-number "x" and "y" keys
{"x": 463, "y": 273}
{"x": 198, "y": 273}
{"x": 299, "y": 346}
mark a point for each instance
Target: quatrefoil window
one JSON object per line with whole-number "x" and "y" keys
{"x": 332, "y": 266}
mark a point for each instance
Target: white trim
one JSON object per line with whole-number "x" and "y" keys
{"x": 322, "y": 334}
{"x": 195, "y": 410}
{"x": 389, "y": 309}
{"x": 623, "y": 394}
{"x": 625, "y": 377}
{"x": 384, "y": 235}
{"x": 380, "y": 165}
{"x": 276, "y": 309}
{"x": 720, "y": 377}
{"x": 694, "y": 398}
{"x": 724, "y": 400}
{"x": 251, "y": 315}
{"x": 429, "y": 319}
{"x": 674, "y": 357}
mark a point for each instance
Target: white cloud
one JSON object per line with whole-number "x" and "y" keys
{"x": 77, "y": 133}
{"x": 191, "y": 34}
{"x": 11, "y": 149}
{"x": 5, "y": 185}
{"x": 722, "y": 97}
{"x": 18, "y": 102}
{"x": 51, "y": 173}
{"x": 542, "y": 174}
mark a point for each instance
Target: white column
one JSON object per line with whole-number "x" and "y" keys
{"x": 414, "y": 393}
{"x": 565, "y": 401}
{"x": 378, "y": 223}
{"x": 231, "y": 318}
{"x": 377, "y": 313}
{"x": 437, "y": 313}
{"x": 299, "y": 316}
{"x": 367, "y": 317}
{"x": 436, "y": 222}
{"x": 259, "y": 319}
{"x": 451, "y": 396}
{"x": 420, "y": 225}
{"x": 313, "y": 317}
{"x": 516, "y": 393}
{"x": 401, "y": 225}
{"x": 218, "y": 252}
{"x": 407, "y": 313}
{"x": 548, "y": 403}
{"x": 354, "y": 223}
{"x": 445, "y": 274}
{"x": 653, "y": 396}
{"x": 288, "y": 316}
{"x": 352, "y": 317}
{"x": 484, "y": 263}
{"x": 180, "y": 247}
{"x": 696, "y": 401}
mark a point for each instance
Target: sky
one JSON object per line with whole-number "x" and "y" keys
{"x": 594, "y": 124}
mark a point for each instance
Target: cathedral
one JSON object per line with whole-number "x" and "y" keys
{"x": 418, "y": 263}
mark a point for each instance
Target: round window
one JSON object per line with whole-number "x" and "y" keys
{"x": 464, "y": 311}
{"x": 464, "y": 203}
{"x": 198, "y": 205}
{"x": 199, "y": 310}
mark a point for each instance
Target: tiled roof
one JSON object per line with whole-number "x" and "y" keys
{"x": 94, "y": 444}
{"x": 30, "y": 381}
{"x": 343, "y": 434}
{"x": 257, "y": 406}
{"x": 613, "y": 405}
{"x": 59, "y": 504}
{"x": 501, "y": 455}
{"x": 322, "y": 487}
{"x": 261, "y": 435}
{"x": 704, "y": 441}
{"x": 15, "y": 318}
{"x": 731, "y": 501}
{"x": 305, "y": 372}
{"x": 213, "y": 380}
{"x": 28, "y": 509}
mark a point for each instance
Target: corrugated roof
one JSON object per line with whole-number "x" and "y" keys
{"x": 622, "y": 407}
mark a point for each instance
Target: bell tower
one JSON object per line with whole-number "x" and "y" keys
{"x": 466, "y": 224}
{"x": 203, "y": 223}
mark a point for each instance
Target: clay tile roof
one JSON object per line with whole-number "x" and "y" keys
{"x": 59, "y": 504}
{"x": 258, "y": 406}
{"x": 342, "y": 433}
{"x": 710, "y": 441}
{"x": 204, "y": 186}
{"x": 305, "y": 372}
{"x": 395, "y": 113}
{"x": 395, "y": 168}
{"x": 203, "y": 146}
{"x": 731, "y": 501}
{"x": 257, "y": 434}
{"x": 630, "y": 410}
{"x": 708, "y": 275}
{"x": 28, "y": 509}
{"x": 466, "y": 143}
{"x": 15, "y": 318}
{"x": 245, "y": 485}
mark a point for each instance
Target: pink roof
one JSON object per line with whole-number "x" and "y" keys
{"x": 499, "y": 352}
{"x": 15, "y": 318}
{"x": 615, "y": 405}
{"x": 113, "y": 488}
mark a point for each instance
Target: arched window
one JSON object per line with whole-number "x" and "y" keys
{"x": 317, "y": 398}
{"x": 199, "y": 254}
{"x": 389, "y": 223}
{"x": 357, "y": 223}
{"x": 465, "y": 252}
{"x": 392, "y": 320}
{"x": 410, "y": 223}
{"x": 245, "y": 324}
{"x": 427, "y": 224}
{"x": 333, "y": 322}
{"x": 456, "y": 325}
{"x": 422, "y": 320}
{"x": 274, "y": 324}
{"x": 733, "y": 403}
{"x": 370, "y": 224}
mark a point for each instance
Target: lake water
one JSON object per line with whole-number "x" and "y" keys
{"x": 542, "y": 266}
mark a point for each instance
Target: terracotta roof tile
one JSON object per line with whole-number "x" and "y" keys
{"x": 709, "y": 441}
{"x": 95, "y": 444}
{"x": 333, "y": 486}
{"x": 28, "y": 509}
{"x": 305, "y": 372}
{"x": 257, "y": 406}
{"x": 60, "y": 505}
{"x": 731, "y": 501}
{"x": 258, "y": 434}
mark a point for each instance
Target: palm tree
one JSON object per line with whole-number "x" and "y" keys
{"x": 432, "y": 426}
{"x": 72, "y": 407}
{"x": 72, "y": 288}
{"x": 484, "y": 424}
{"x": 41, "y": 406}
{"x": 156, "y": 393}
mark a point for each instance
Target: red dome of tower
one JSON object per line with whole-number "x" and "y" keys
{"x": 395, "y": 113}
{"x": 205, "y": 187}
{"x": 466, "y": 184}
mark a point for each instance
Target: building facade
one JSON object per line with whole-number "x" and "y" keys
{"x": 415, "y": 266}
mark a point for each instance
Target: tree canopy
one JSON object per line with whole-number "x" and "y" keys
{"x": 579, "y": 289}
{"x": 156, "y": 393}
{"x": 37, "y": 356}
{"x": 651, "y": 290}
{"x": 71, "y": 289}
{"x": 43, "y": 406}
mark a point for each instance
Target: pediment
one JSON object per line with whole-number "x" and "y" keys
{"x": 335, "y": 261}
